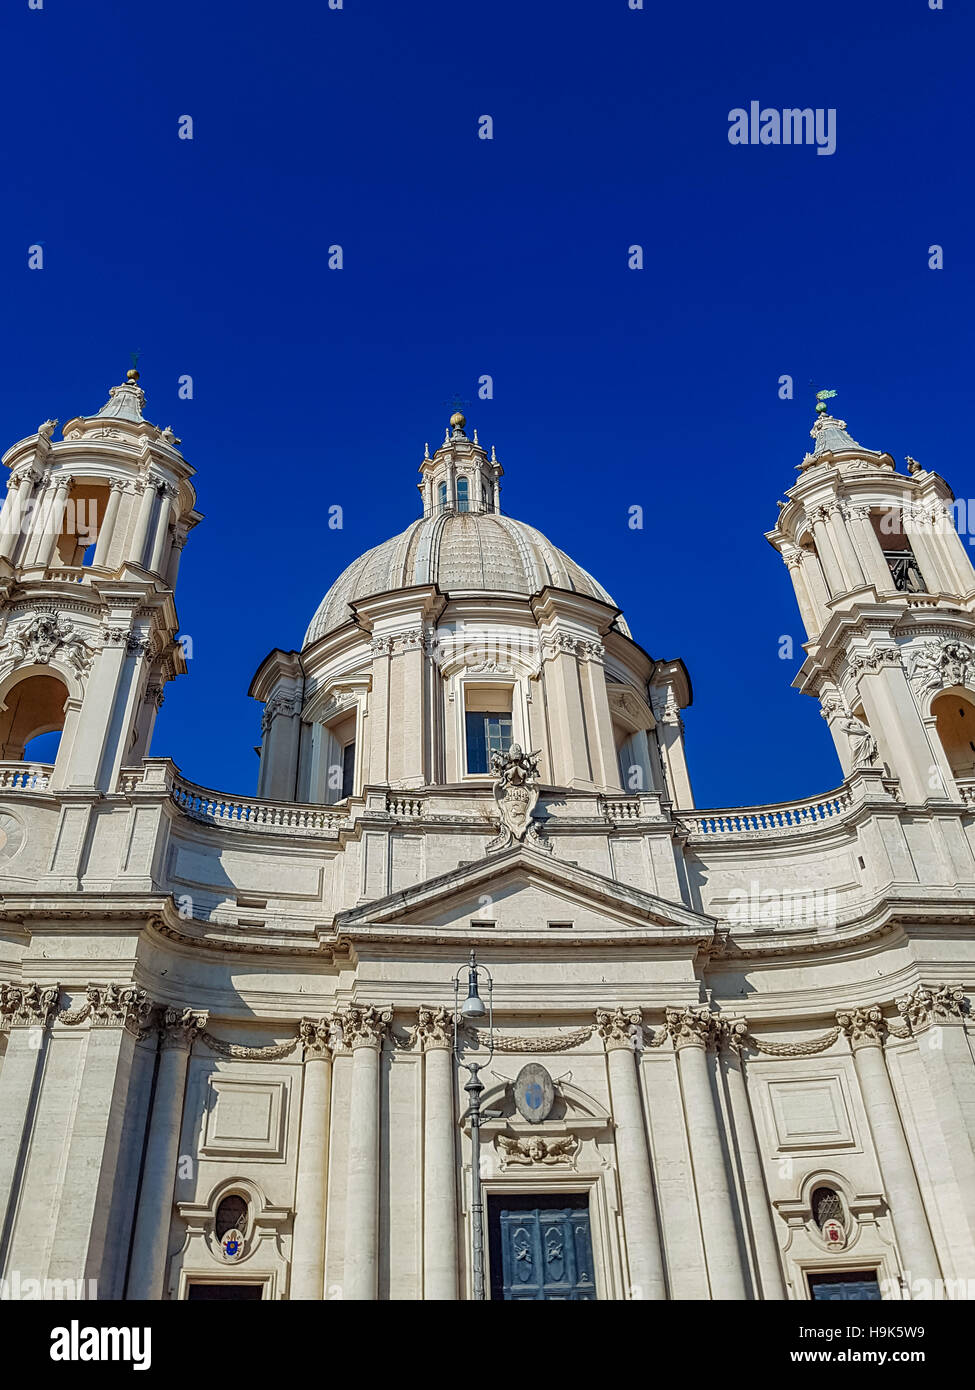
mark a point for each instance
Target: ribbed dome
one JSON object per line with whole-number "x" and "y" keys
{"x": 461, "y": 552}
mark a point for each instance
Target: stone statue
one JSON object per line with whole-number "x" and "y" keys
{"x": 863, "y": 745}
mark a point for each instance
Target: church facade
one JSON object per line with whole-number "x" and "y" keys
{"x": 728, "y": 1053}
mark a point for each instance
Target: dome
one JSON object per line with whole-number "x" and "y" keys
{"x": 460, "y": 552}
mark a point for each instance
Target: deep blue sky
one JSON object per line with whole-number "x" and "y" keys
{"x": 463, "y": 257}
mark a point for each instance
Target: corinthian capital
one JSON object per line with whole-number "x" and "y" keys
{"x": 316, "y": 1038}
{"x": 27, "y": 1005}
{"x": 731, "y": 1034}
{"x": 433, "y": 1028}
{"x": 618, "y": 1027}
{"x": 692, "y": 1027}
{"x": 924, "y": 1006}
{"x": 863, "y": 1027}
{"x": 366, "y": 1026}
{"x": 180, "y": 1028}
{"x": 119, "y": 1006}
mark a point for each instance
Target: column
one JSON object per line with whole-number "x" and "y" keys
{"x": 731, "y": 1037}
{"x": 47, "y": 547}
{"x": 19, "y": 488}
{"x": 599, "y": 720}
{"x": 956, "y": 556}
{"x": 893, "y": 717}
{"x": 106, "y": 530}
{"x": 26, "y": 1009}
{"x": 281, "y": 727}
{"x": 364, "y": 1029}
{"x": 843, "y": 546}
{"x": 150, "y": 486}
{"x": 827, "y": 556}
{"x": 644, "y": 1256}
{"x": 308, "y": 1240}
{"x": 807, "y": 609}
{"x": 693, "y": 1034}
{"x": 378, "y": 724}
{"x": 866, "y": 1031}
{"x": 97, "y": 713}
{"x": 434, "y": 1031}
{"x": 36, "y": 522}
{"x": 172, "y": 573}
{"x": 868, "y": 548}
{"x": 560, "y": 674}
{"x": 936, "y": 1018}
{"x": 158, "y": 562}
{"x": 147, "y": 1272}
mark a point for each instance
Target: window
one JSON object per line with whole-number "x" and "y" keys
{"x": 827, "y": 1205}
{"x": 442, "y": 495}
{"x": 845, "y": 1286}
{"x": 488, "y": 725}
{"x": 231, "y": 1216}
{"x": 488, "y": 732}
{"x": 463, "y": 495}
{"x": 348, "y": 769}
{"x": 889, "y": 529}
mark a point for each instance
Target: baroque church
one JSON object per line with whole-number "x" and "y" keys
{"x": 470, "y": 999}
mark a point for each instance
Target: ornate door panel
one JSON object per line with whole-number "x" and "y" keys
{"x": 541, "y": 1251}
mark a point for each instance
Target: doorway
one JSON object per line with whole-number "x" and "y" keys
{"x": 541, "y": 1247}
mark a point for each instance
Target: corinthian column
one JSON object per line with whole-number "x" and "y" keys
{"x": 364, "y": 1030}
{"x": 644, "y": 1257}
{"x": 693, "y": 1033}
{"x": 167, "y": 501}
{"x": 147, "y": 1274}
{"x": 106, "y": 529}
{"x": 308, "y": 1240}
{"x": 866, "y": 1031}
{"x": 731, "y": 1041}
{"x": 434, "y": 1032}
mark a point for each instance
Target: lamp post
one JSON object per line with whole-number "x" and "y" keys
{"x": 473, "y": 1011}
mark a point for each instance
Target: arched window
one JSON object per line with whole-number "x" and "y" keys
{"x": 231, "y": 1215}
{"x": 463, "y": 495}
{"x": 442, "y": 495}
{"x": 827, "y": 1205}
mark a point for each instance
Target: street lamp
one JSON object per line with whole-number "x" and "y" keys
{"x": 474, "y": 1011}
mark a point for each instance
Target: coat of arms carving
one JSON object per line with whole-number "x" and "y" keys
{"x": 43, "y": 637}
{"x": 516, "y": 794}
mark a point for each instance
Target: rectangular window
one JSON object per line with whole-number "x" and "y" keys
{"x": 348, "y": 769}
{"x": 488, "y": 732}
{"x": 845, "y": 1286}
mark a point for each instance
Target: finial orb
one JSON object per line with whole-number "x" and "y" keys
{"x": 458, "y": 421}
{"x": 132, "y": 375}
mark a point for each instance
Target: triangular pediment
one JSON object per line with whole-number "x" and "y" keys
{"x": 525, "y": 890}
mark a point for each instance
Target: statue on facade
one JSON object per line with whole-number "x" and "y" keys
{"x": 516, "y": 794}
{"x": 863, "y": 745}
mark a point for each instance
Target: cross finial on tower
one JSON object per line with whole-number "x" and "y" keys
{"x": 133, "y": 373}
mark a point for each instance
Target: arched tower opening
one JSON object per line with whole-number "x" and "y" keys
{"x": 84, "y": 512}
{"x": 954, "y": 712}
{"x": 33, "y": 710}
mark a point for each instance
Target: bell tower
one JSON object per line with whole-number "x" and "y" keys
{"x": 886, "y": 591}
{"x": 90, "y": 540}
